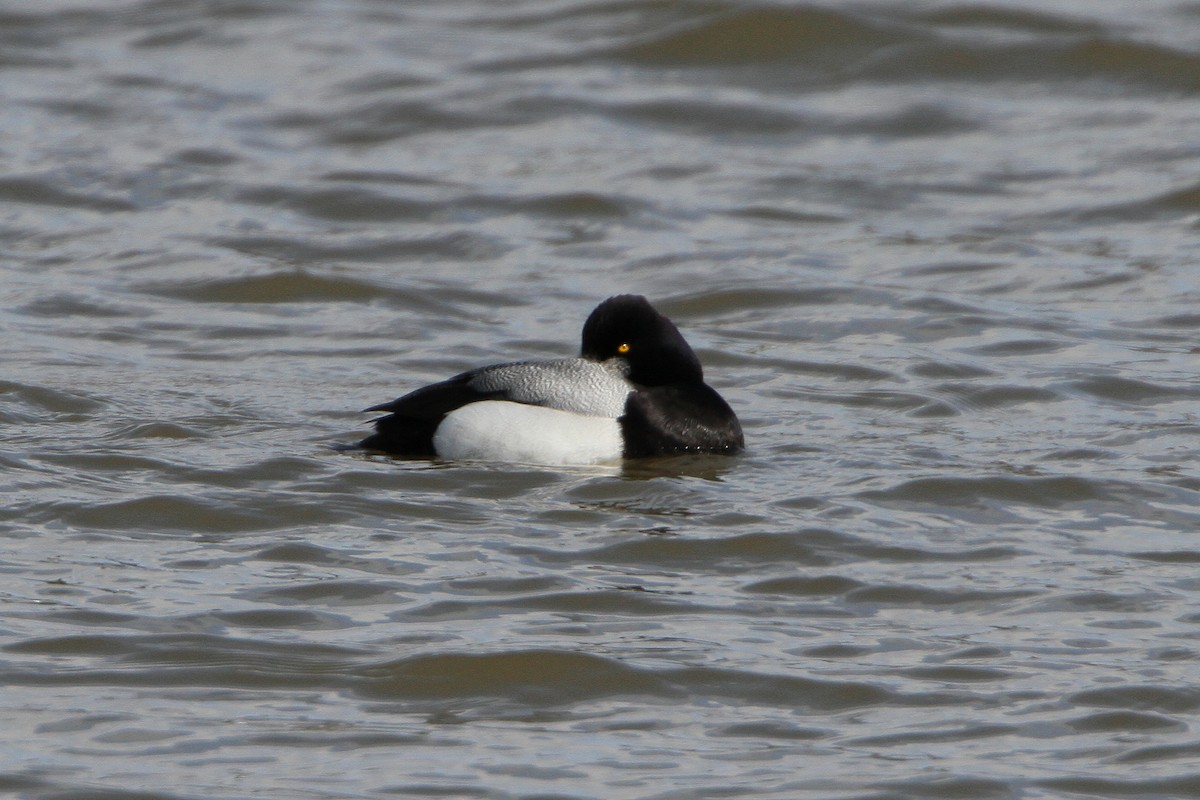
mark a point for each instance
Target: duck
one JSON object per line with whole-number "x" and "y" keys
{"x": 636, "y": 390}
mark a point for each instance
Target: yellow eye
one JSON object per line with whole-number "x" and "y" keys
{"x": 623, "y": 348}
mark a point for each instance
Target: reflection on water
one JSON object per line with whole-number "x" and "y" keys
{"x": 939, "y": 258}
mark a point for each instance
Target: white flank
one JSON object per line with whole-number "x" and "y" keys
{"x": 497, "y": 430}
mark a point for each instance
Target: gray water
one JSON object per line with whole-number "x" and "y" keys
{"x": 939, "y": 256}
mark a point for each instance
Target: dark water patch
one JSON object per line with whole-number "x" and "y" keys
{"x": 251, "y": 474}
{"x": 532, "y": 678}
{"x": 721, "y": 119}
{"x": 630, "y": 601}
{"x": 299, "y": 553}
{"x": 720, "y": 300}
{"x": 785, "y": 216}
{"x": 941, "y": 306}
{"x": 835, "y": 371}
{"x": 1189, "y": 751}
{"x": 952, "y": 268}
{"x": 203, "y": 157}
{"x": 171, "y": 513}
{"x": 334, "y": 593}
{"x": 1116, "y": 721}
{"x": 173, "y": 38}
{"x": 1094, "y": 602}
{"x": 775, "y": 731}
{"x": 1186, "y": 321}
{"x": 341, "y": 204}
{"x": 311, "y": 555}
{"x": 1144, "y": 63}
{"x": 918, "y": 120}
{"x": 379, "y": 121}
{"x": 1174, "y": 654}
{"x": 1184, "y": 785}
{"x": 764, "y": 35}
{"x": 37, "y": 399}
{"x": 923, "y": 596}
{"x": 31, "y": 35}
{"x": 749, "y": 552}
{"x": 1168, "y": 556}
{"x": 908, "y": 402}
{"x": 84, "y": 722}
{"x": 1020, "y": 347}
{"x": 166, "y": 13}
{"x": 653, "y": 496}
{"x": 61, "y": 789}
{"x": 383, "y": 82}
{"x": 295, "y": 286}
{"x": 278, "y": 619}
{"x": 493, "y": 587}
{"x": 75, "y": 646}
{"x": 1109, "y": 278}
{"x": 1080, "y": 454}
{"x": 188, "y": 659}
{"x": 1049, "y": 492}
{"x": 453, "y": 245}
{"x": 958, "y": 674}
{"x": 902, "y": 554}
{"x": 937, "y": 736}
{"x": 1050, "y": 60}
{"x": 945, "y": 370}
{"x": 551, "y": 205}
{"x": 1132, "y": 391}
{"x": 731, "y": 554}
{"x": 93, "y": 618}
{"x": 576, "y": 204}
{"x": 975, "y": 396}
{"x": 540, "y": 678}
{"x": 484, "y": 482}
{"x": 948, "y": 787}
{"x": 802, "y": 586}
{"x": 68, "y": 304}
{"x": 304, "y": 286}
{"x": 839, "y": 651}
{"x": 672, "y": 173}
{"x": 606, "y": 16}
{"x": 872, "y": 194}
{"x": 48, "y": 191}
{"x": 335, "y": 742}
{"x": 1141, "y": 698}
{"x": 143, "y": 431}
{"x": 208, "y": 623}
{"x": 445, "y": 789}
{"x": 985, "y": 18}
{"x": 970, "y": 653}
{"x": 390, "y": 178}
{"x": 110, "y": 470}
{"x": 1132, "y": 624}
{"x": 713, "y": 118}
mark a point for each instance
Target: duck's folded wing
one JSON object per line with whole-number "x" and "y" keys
{"x": 436, "y": 400}
{"x": 410, "y": 421}
{"x": 573, "y": 384}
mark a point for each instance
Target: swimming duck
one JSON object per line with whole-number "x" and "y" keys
{"x": 636, "y": 390}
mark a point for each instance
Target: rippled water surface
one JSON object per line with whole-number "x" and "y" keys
{"x": 940, "y": 256}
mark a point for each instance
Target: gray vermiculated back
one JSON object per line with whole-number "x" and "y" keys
{"x": 570, "y": 384}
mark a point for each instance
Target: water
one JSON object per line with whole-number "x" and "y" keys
{"x": 940, "y": 256}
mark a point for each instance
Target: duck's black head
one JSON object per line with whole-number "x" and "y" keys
{"x": 628, "y": 327}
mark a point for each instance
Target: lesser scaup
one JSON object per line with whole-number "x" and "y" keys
{"x": 636, "y": 390}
